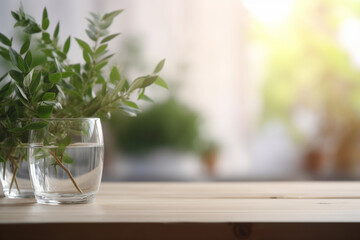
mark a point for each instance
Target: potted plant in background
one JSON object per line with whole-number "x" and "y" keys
{"x": 65, "y": 103}
{"x": 161, "y": 143}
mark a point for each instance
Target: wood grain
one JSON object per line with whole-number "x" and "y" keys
{"x": 255, "y": 202}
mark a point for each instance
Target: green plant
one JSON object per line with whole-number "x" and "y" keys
{"x": 54, "y": 87}
{"x": 26, "y": 93}
{"x": 166, "y": 125}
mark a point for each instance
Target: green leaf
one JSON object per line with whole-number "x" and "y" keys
{"x": 86, "y": 57}
{"x": 131, "y": 104}
{"x": 146, "y": 98}
{"x": 76, "y": 67}
{"x": 93, "y": 28}
{"x": 22, "y": 23}
{"x": 125, "y": 84}
{"x": 149, "y": 80}
{"x": 46, "y": 37}
{"x": 57, "y": 64}
{"x": 91, "y": 35}
{"x": 84, "y": 45}
{"x": 28, "y": 58}
{"x": 65, "y": 142}
{"x": 114, "y": 75}
{"x": 67, "y": 45}
{"x": 60, "y": 54}
{"x": 159, "y": 66}
{"x": 7, "y": 89}
{"x": 107, "y": 57}
{"x": 100, "y": 54}
{"x": 32, "y": 28}
{"x": 5, "y": 40}
{"x": 142, "y": 94}
{"x": 3, "y": 76}
{"x": 101, "y": 49}
{"x": 104, "y": 89}
{"x": 45, "y": 111}
{"x": 95, "y": 16}
{"x": 137, "y": 83}
{"x": 119, "y": 85}
{"x": 17, "y": 76}
{"x": 5, "y": 54}
{"x": 132, "y": 112}
{"x": 159, "y": 81}
{"x": 108, "y": 38}
{"x": 25, "y": 46}
{"x": 45, "y": 23}
{"x": 49, "y": 96}
{"x": 45, "y": 19}
{"x": 55, "y": 78}
{"x": 142, "y": 82}
{"x": 45, "y": 14}
{"x": 15, "y": 16}
{"x": 35, "y": 83}
{"x": 28, "y": 79}
{"x": 21, "y": 92}
{"x": 56, "y": 31}
{"x": 104, "y": 33}
{"x": 61, "y": 92}
{"x": 75, "y": 94}
{"x": 36, "y": 125}
{"x": 16, "y": 130}
{"x": 105, "y": 24}
{"x": 100, "y": 65}
{"x": 13, "y": 56}
{"x": 48, "y": 53}
{"x": 67, "y": 159}
{"x": 112, "y": 15}
{"x": 76, "y": 83}
{"x": 21, "y": 10}
{"x": 66, "y": 74}
{"x": 21, "y": 64}
{"x": 100, "y": 79}
{"x": 16, "y": 59}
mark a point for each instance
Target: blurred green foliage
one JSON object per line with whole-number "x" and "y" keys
{"x": 307, "y": 67}
{"x": 166, "y": 125}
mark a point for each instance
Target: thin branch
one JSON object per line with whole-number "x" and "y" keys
{"x": 66, "y": 170}
{"x": 15, "y": 167}
{"x": 14, "y": 174}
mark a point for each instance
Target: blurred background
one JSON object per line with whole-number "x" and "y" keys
{"x": 258, "y": 90}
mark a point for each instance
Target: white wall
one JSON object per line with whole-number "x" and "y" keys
{"x": 205, "y": 46}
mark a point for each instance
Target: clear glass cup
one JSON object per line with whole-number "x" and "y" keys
{"x": 66, "y": 160}
{"x": 14, "y": 171}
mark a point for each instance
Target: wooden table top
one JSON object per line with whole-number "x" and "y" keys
{"x": 273, "y": 202}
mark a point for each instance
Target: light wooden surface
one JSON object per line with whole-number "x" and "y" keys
{"x": 272, "y": 202}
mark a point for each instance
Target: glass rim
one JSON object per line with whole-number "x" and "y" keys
{"x": 67, "y": 119}
{"x": 46, "y": 119}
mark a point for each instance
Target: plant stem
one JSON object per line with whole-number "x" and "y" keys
{"x": 4, "y": 168}
{"x": 15, "y": 167}
{"x": 15, "y": 172}
{"x": 13, "y": 179}
{"x": 66, "y": 170}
